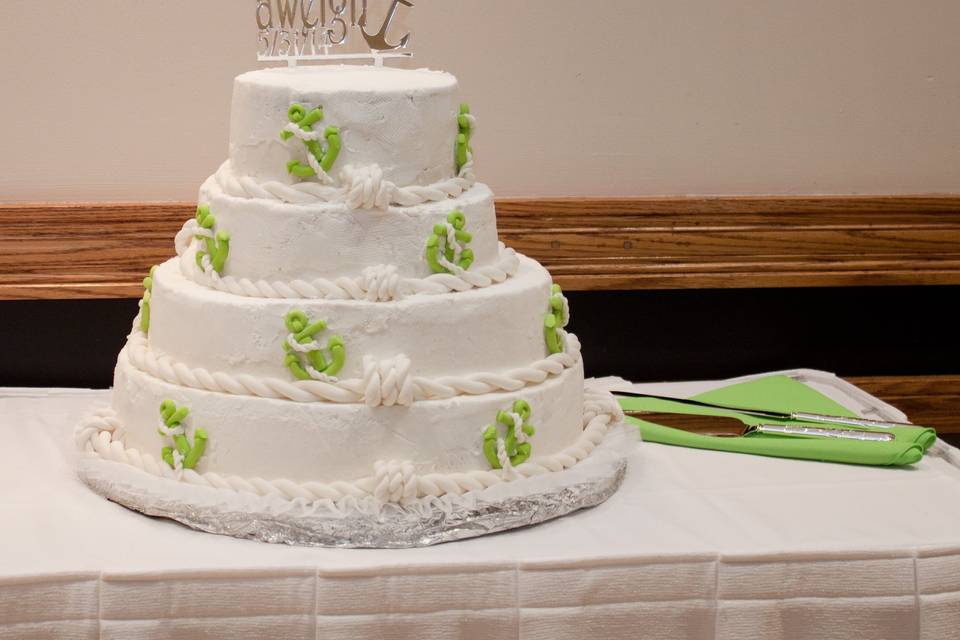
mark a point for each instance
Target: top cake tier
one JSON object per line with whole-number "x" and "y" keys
{"x": 403, "y": 121}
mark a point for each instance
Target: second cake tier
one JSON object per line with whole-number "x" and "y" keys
{"x": 458, "y": 339}
{"x": 277, "y": 241}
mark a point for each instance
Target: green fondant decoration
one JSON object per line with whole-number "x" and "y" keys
{"x": 303, "y": 332}
{"x": 555, "y": 319}
{"x": 518, "y": 453}
{"x": 437, "y": 242}
{"x": 299, "y": 116}
{"x": 464, "y": 136}
{"x": 172, "y": 418}
{"x": 217, "y": 247}
{"x": 145, "y": 303}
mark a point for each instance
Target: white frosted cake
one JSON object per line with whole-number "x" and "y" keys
{"x": 341, "y": 319}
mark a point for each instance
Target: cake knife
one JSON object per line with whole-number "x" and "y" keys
{"x": 776, "y": 415}
{"x": 726, "y": 426}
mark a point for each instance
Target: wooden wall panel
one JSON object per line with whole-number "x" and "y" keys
{"x": 99, "y": 250}
{"x": 932, "y": 401}
{"x": 103, "y": 250}
{"x": 743, "y": 242}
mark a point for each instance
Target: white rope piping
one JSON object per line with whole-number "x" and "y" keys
{"x": 379, "y": 283}
{"x": 307, "y": 347}
{"x": 451, "y": 266}
{"x": 312, "y": 136}
{"x": 504, "y": 459}
{"x": 518, "y": 433}
{"x": 361, "y": 187}
{"x": 383, "y": 383}
{"x": 168, "y": 432}
{"x": 394, "y": 481}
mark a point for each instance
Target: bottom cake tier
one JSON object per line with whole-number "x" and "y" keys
{"x": 328, "y": 450}
{"x": 394, "y": 508}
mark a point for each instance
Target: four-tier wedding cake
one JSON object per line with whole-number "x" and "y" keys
{"x": 341, "y": 320}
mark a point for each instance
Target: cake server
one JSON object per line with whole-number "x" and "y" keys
{"x": 725, "y": 426}
{"x": 851, "y": 446}
{"x": 801, "y": 416}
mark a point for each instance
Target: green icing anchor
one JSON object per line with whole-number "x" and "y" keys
{"x": 458, "y": 221}
{"x": 145, "y": 303}
{"x": 217, "y": 247}
{"x": 326, "y": 157}
{"x": 555, "y": 320}
{"x": 517, "y": 452}
{"x": 463, "y": 137}
{"x": 173, "y": 419}
{"x": 303, "y": 332}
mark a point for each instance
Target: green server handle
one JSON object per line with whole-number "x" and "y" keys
{"x": 899, "y": 452}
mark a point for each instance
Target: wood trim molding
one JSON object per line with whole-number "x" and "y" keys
{"x": 931, "y": 401}
{"x": 103, "y": 250}
{"x": 740, "y": 242}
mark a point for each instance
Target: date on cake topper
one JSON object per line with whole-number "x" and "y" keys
{"x": 299, "y": 30}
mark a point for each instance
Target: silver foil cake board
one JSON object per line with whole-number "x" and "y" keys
{"x": 365, "y": 523}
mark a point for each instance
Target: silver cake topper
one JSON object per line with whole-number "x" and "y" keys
{"x": 298, "y": 30}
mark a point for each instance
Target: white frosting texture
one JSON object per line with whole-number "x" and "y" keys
{"x": 103, "y": 435}
{"x": 376, "y": 283}
{"x": 361, "y": 187}
{"x": 384, "y": 382}
{"x": 273, "y": 240}
{"x": 327, "y": 442}
{"x": 491, "y": 329}
{"x": 430, "y": 359}
{"x": 403, "y": 121}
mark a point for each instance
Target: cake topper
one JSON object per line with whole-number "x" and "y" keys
{"x": 299, "y": 30}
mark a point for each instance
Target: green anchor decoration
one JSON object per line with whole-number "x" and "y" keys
{"x": 555, "y": 320}
{"x": 145, "y": 303}
{"x": 303, "y": 332}
{"x": 463, "y": 137}
{"x": 439, "y": 237}
{"x": 173, "y": 419}
{"x": 217, "y": 247}
{"x": 518, "y": 453}
{"x": 326, "y": 157}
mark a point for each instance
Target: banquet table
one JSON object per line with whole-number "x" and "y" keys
{"x": 696, "y": 544}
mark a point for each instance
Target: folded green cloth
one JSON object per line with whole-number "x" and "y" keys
{"x": 781, "y": 393}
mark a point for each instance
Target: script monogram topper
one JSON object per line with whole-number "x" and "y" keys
{"x": 294, "y": 30}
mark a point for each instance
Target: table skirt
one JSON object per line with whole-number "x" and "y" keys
{"x": 696, "y": 544}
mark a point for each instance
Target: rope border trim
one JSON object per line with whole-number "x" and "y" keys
{"x": 101, "y": 434}
{"x": 362, "y": 187}
{"x": 379, "y": 283}
{"x": 380, "y": 385}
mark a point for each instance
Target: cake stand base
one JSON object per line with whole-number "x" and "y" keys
{"x": 366, "y": 523}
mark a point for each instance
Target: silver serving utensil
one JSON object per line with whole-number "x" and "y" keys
{"x": 727, "y": 426}
{"x": 776, "y": 415}
{"x": 821, "y": 432}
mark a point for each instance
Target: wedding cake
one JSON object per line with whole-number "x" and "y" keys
{"x": 341, "y": 320}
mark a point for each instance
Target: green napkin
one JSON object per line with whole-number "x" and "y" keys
{"x": 781, "y": 393}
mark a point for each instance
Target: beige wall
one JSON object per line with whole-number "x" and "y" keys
{"x": 129, "y": 99}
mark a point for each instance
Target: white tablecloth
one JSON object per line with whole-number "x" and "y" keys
{"x": 695, "y": 545}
